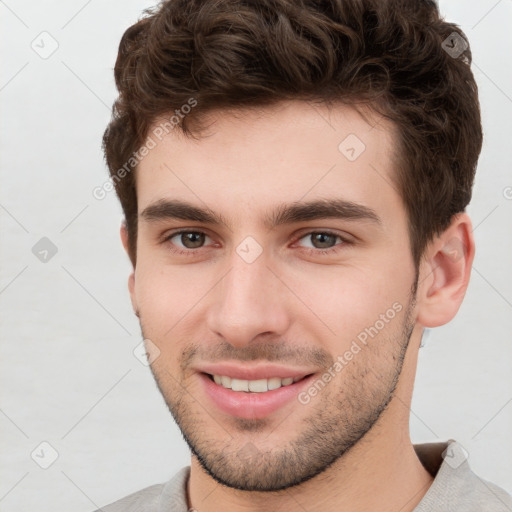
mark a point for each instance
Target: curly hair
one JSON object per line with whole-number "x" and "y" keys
{"x": 398, "y": 56}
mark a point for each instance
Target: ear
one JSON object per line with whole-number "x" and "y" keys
{"x": 444, "y": 273}
{"x": 131, "y": 278}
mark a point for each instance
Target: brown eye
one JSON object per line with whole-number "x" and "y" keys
{"x": 186, "y": 241}
{"x": 323, "y": 240}
{"x": 192, "y": 239}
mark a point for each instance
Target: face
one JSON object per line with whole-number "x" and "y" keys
{"x": 273, "y": 255}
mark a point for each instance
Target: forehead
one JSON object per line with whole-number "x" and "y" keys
{"x": 247, "y": 160}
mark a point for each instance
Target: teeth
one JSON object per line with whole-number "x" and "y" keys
{"x": 257, "y": 386}
{"x": 239, "y": 385}
{"x": 274, "y": 383}
{"x": 254, "y": 386}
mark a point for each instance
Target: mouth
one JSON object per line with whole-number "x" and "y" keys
{"x": 256, "y": 385}
{"x": 253, "y": 399}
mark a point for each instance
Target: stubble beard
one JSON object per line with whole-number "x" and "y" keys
{"x": 364, "y": 389}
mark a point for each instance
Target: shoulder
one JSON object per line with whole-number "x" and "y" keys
{"x": 456, "y": 487}
{"x": 155, "y": 498}
{"x": 145, "y": 500}
{"x": 475, "y": 494}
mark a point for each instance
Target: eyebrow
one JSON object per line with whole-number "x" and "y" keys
{"x": 287, "y": 213}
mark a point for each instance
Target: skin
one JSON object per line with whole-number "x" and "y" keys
{"x": 348, "y": 448}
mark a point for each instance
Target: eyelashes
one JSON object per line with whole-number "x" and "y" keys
{"x": 201, "y": 237}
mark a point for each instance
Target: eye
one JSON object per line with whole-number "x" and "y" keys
{"x": 186, "y": 240}
{"x": 322, "y": 242}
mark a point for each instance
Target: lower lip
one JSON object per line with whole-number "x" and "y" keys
{"x": 251, "y": 405}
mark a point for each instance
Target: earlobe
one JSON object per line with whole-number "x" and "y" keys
{"x": 131, "y": 278}
{"x": 445, "y": 273}
{"x": 131, "y": 288}
{"x": 123, "y": 231}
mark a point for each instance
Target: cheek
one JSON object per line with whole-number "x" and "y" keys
{"x": 165, "y": 296}
{"x": 349, "y": 300}
{"x": 334, "y": 303}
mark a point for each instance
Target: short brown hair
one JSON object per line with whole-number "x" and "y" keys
{"x": 398, "y": 56}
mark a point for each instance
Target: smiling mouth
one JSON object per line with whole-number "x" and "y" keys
{"x": 254, "y": 386}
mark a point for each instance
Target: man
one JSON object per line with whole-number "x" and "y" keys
{"x": 294, "y": 177}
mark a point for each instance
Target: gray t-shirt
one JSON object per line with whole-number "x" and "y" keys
{"x": 455, "y": 487}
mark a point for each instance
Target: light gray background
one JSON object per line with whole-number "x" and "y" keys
{"x": 69, "y": 376}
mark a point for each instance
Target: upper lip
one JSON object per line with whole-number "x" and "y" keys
{"x": 255, "y": 372}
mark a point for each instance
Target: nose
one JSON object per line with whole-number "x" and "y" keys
{"x": 248, "y": 302}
